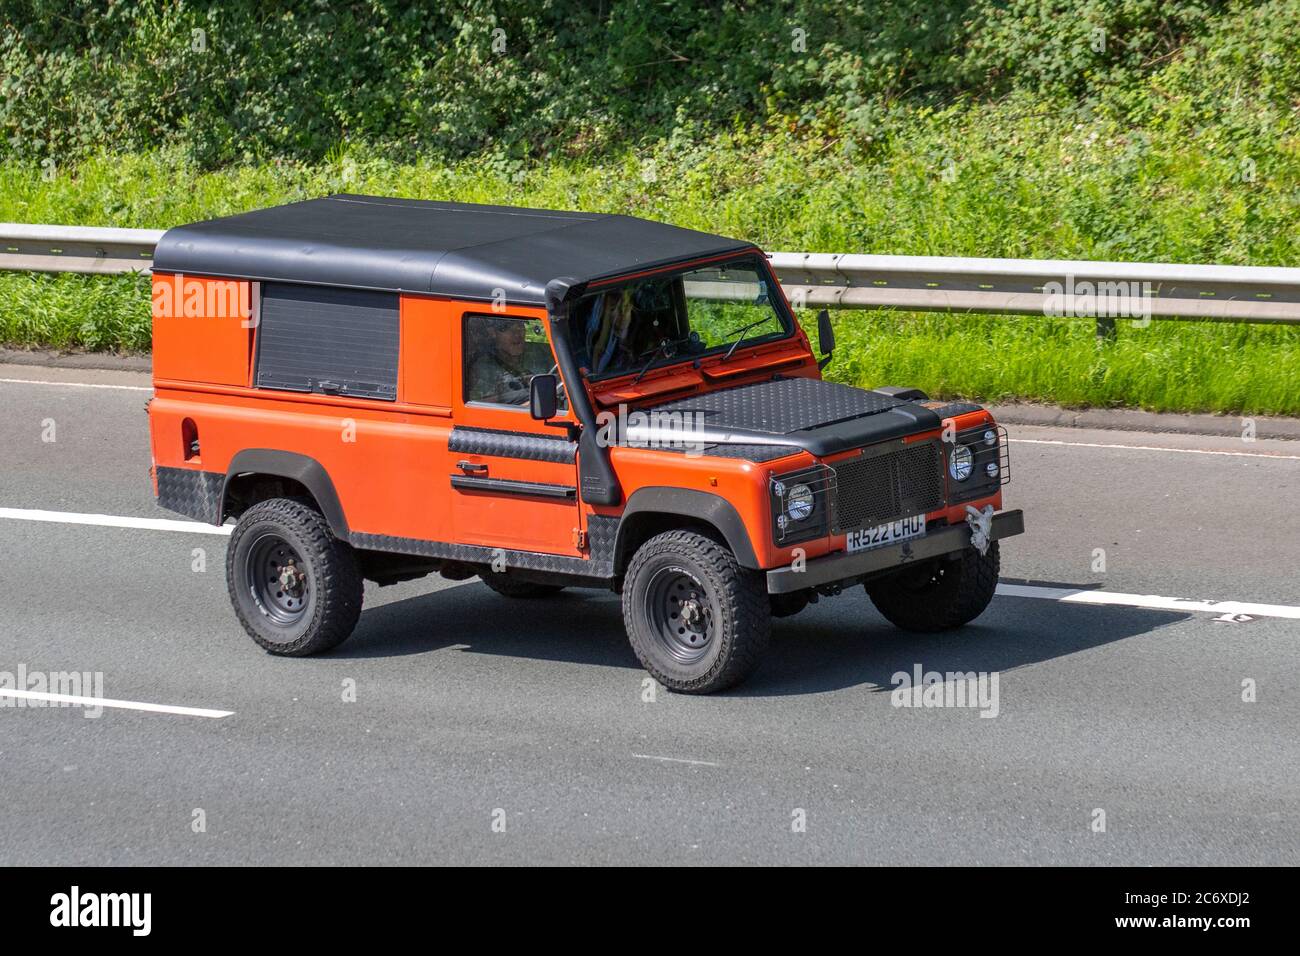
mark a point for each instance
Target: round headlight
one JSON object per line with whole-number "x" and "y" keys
{"x": 961, "y": 462}
{"x": 799, "y": 503}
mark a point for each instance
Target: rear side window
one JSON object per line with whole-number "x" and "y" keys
{"x": 326, "y": 340}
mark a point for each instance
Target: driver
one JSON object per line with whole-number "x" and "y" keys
{"x": 503, "y": 373}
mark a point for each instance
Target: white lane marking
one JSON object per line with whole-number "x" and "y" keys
{"x": 119, "y": 704}
{"x": 36, "y": 381}
{"x": 1150, "y": 601}
{"x": 1068, "y": 595}
{"x": 113, "y": 521}
{"x": 693, "y": 763}
{"x": 1185, "y": 451}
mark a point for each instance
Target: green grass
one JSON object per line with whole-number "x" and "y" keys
{"x": 1015, "y": 178}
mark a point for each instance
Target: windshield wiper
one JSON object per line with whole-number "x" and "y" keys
{"x": 666, "y": 348}
{"x": 741, "y": 333}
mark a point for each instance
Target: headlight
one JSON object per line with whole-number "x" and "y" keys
{"x": 799, "y": 502}
{"x": 961, "y": 462}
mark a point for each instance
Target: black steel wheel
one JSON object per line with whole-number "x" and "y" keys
{"x": 681, "y": 613}
{"x": 294, "y": 586}
{"x": 277, "y": 579}
{"x": 697, "y": 620}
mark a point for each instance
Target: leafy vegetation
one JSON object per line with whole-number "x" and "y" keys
{"x": 1127, "y": 130}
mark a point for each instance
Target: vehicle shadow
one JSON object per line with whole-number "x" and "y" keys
{"x": 837, "y": 643}
{"x": 853, "y": 645}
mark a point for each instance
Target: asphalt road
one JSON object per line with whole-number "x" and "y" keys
{"x": 472, "y": 709}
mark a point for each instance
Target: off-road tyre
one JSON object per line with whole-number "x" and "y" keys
{"x": 327, "y": 583}
{"x": 938, "y": 595}
{"x": 697, "y": 620}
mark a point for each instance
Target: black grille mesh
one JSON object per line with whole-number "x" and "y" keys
{"x": 876, "y": 488}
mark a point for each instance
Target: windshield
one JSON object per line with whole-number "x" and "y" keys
{"x": 672, "y": 318}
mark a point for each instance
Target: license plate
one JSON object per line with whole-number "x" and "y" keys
{"x": 888, "y": 533}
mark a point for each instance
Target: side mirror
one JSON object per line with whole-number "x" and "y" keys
{"x": 541, "y": 397}
{"x": 825, "y": 336}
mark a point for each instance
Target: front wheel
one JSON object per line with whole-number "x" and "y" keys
{"x": 938, "y": 595}
{"x": 295, "y": 587}
{"x": 697, "y": 620}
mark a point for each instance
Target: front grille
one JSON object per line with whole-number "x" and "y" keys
{"x": 888, "y": 482}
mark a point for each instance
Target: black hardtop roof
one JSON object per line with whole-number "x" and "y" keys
{"x": 457, "y": 250}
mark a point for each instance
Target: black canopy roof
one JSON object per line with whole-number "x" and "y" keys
{"x": 460, "y": 250}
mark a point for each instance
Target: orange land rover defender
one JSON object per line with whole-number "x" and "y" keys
{"x": 377, "y": 389}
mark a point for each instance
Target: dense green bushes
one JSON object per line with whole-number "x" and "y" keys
{"x": 241, "y": 79}
{"x": 980, "y": 128}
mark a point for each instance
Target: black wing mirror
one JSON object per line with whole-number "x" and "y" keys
{"x": 825, "y": 337}
{"x": 541, "y": 397}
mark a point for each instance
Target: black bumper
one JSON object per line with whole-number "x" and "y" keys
{"x": 842, "y": 566}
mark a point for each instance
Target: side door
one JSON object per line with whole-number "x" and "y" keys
{"x": 513, "y": 479}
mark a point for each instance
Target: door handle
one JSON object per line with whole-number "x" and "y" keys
{"x": 472, "y": 468}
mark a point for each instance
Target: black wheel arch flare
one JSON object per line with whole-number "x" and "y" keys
{"x": 698, "y": 506}
{"x": 303, "y": 469}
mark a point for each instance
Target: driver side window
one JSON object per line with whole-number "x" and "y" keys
{"x": 502, "y": 353}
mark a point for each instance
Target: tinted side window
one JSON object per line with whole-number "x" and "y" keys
{"x": 332, "y": 341}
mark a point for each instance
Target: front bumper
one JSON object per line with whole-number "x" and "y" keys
{"x": 843, "y": 567}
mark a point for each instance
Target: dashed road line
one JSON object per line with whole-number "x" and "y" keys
{"x": 117, "y": 704}
{"x": 37, "y": 381}
{"x": 1183, "y": 451}
{"x": 1153, "y": 602}
{"x": 114, "y": 521}
{"x": 693, "y": 763}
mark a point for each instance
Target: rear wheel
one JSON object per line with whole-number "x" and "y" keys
{"x": 294, "y": 586}
{"x": 514, "y": 588}
{"x": 697, "y": 620}
{"x": 938, "y": 595}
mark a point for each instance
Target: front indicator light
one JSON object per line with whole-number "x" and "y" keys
{"x": 992, "y": 469}
{"x": 961, "y": 463}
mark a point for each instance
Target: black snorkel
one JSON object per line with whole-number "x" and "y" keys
{"x": 598, "y": 483}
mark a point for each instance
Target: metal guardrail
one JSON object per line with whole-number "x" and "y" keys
{"x": 1080, "y": 289}
{"x": 1101, "y": 290}
{"x": 37, "y": 248}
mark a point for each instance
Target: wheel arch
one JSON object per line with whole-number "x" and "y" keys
{"x": 654, "y": 509}
{"x": 252, "y": 467}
